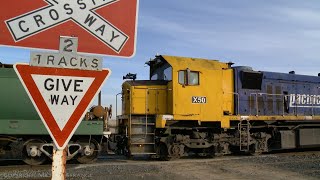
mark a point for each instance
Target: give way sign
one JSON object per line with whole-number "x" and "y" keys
{"x": 103, "y": 27}
{"x": 61, "y": 96}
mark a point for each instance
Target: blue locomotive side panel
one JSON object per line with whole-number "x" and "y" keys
{"x": 270, "y": 93}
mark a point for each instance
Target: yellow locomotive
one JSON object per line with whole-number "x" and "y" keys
{"x": 207, "y": 107}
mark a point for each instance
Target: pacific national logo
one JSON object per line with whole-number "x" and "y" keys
{"x": 304, "y": 100}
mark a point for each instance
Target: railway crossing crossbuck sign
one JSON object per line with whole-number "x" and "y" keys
{"x": 61, "y": 96}
{"x": 104, "y": 27}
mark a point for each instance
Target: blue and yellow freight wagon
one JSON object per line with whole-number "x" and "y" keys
{"x": 23, "y": 134}
{"x": 207, "y": 107}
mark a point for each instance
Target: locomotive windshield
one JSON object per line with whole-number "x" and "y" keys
{"x": 162, "y": 74}
{"x": 160, "y": 70}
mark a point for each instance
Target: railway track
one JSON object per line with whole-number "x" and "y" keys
{"x": 117, "y": 160}
{"x": 284, "y": 165}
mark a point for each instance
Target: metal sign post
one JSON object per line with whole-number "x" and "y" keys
{"x": 59, "y": 161}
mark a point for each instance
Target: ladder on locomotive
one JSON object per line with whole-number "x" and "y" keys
{"x": 142, "y": 135}
{"x": 244, "y": 135}
{"x": 142, "y": 128}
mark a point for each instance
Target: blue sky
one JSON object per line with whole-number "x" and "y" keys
{"x": 274, "y": 35}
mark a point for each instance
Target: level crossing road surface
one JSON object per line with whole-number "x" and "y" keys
{"x": 293, "y": 165}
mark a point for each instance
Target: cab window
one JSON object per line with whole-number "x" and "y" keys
{"x": 191, "y": 80}
{"x": 154, "y": 77}
{"x": 163, "y": 72}
{"x": 167, "y": 74}
{"x": 182, "y": 79}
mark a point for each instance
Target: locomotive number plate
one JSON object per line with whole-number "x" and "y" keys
{"x": 199, "y": 99}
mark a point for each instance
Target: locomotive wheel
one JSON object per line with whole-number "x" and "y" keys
{"x": 169, "y": 152}
{"x": 253, "y": 151}
{"x": 90, "y": 151}
{"x": 33, "y": 159}
{"x": 174, "y": 151}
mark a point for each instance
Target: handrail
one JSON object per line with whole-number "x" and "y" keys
{"x": 130, "y": 112}
{"x": 147, "y": 91}
{"x": 284, "y": 97}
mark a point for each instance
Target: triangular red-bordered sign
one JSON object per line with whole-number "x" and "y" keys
{"x": 60, "y": 134}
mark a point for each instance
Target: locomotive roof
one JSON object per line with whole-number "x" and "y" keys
{"x": 147, "y": 82}
{"x": 280, "y": 75}
{"x": 193, "y": 63}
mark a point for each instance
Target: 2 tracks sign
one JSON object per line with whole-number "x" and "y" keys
{"x": 104, "y": 27}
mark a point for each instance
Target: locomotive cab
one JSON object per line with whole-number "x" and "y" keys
{"x": 174, "y": 81}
